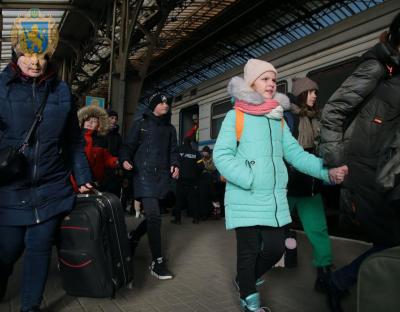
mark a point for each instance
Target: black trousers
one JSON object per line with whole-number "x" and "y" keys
{"x": 151, "y": 209}
{"x": 187, "y": 196}
{"x": 258, "y": 249}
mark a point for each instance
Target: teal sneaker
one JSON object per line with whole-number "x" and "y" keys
{"x": 252, "y": 304}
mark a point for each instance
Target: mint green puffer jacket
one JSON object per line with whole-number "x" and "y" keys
{"x": 255, "y": 172}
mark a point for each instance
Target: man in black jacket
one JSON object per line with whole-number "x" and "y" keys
{"x": 150, "y": 150}
{"x": 187, "y": 189}
{"x": 372, "y": 95}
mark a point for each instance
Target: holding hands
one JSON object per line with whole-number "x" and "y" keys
{"x": 338, "y": 174}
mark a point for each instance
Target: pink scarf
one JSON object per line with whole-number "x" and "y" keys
{"x": 261, "y": 109}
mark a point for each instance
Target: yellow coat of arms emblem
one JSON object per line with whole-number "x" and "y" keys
{"x": 34, "y": 34}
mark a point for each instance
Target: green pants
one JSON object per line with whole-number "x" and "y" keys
{"x": 312, "y": 216}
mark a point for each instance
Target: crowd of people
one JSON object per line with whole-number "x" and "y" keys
{"x": 272, "y": 167}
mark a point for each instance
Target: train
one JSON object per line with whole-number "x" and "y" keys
{"x": 328, "y": 57}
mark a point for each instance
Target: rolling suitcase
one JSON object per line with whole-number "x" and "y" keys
{"x": 93, "y": 248}
{"x": 379, "y": 282}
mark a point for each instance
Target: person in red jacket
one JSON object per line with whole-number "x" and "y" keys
{"x": 94, "y": 122}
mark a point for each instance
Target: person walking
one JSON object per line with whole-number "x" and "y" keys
{"x": 255, "y": 198}
{"x": 303, "y": 190}
{"x": 33, "y": 204}
{"x": 356, "y": 122}
{"x": 150, "y": 151}
{"x": 187, "y": 189}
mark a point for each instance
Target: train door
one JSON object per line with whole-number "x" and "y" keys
{"x": 189, "y": 122}
{"x": 331, "y": 77}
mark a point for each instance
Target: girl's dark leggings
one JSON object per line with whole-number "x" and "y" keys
{"x": 258, "y": 249}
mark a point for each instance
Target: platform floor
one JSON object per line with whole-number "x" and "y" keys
{"x": 203, "y": 260}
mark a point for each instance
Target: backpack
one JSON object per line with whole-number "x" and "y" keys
{"x": 240, "y": 124}
{"x": 378, "y": 282}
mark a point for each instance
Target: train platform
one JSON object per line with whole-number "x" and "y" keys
{"x": 203, "y": 259}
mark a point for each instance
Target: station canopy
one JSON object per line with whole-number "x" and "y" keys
{"x": 200, "y": 40}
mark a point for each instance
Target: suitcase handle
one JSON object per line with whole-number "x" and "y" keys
{"x": 93, "y": 190}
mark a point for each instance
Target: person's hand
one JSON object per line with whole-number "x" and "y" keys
{"x": 338, "y": 174}
{"x": 85, "y": 188}
{"x": 127, "y": 165}
{"x": 175, "y": 172}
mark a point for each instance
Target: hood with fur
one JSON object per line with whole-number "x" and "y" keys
{"x": 238, "y": 89}
{"x": 95, "y": 111}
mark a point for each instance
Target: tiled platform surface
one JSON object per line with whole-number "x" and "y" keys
{"x": 203, "y": 259}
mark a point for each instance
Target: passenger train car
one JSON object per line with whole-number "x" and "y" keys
{"x": 327, "y": 56}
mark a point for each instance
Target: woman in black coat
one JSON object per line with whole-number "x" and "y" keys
{"x": 368, "y": 106}
{"x": 150, "y": 150}
{"x": 32, "y": 206}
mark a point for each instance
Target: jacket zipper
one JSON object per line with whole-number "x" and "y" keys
{"x": 35, "y": 158}
{"x": 273, "y": 164}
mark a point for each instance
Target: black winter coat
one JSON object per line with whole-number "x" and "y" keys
{"x": 114, "y": 141}
{"x": 191, "y": 165}
{"x": 57, "y": 148}
{"x": 368, "y": 101}
{"x": 152, "y": 149}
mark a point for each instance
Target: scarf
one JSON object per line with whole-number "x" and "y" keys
{"x": 308, "y": 126}
{"x": 261, "y": 109}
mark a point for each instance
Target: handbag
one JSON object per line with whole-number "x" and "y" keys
{"x": 13, "y": 163}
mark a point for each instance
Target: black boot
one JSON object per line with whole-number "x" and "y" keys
{"x": 323, "y": 273}
{"x": 333, "y": 293}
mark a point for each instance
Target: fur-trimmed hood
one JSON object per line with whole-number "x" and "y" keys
{"x": 95, "y": 111}
{"x": 239, "y": 89}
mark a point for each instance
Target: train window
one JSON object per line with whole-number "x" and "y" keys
{"x": 330, "y": 78}
{"x": 282, "y": 86}
{"x": 218, "y": 112}
{"x": 178, "y": 98}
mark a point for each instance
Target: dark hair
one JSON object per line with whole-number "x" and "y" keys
{"x": 301, "y": 102}
{"x": 112, "y": 113}
{"x": 206, "y": 149}
{"x": 394, "y": 32}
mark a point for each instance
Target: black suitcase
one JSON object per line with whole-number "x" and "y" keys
{"x": 93, "y": 249}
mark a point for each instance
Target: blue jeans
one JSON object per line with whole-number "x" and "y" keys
{"x": 37, "y": 241}
{"x": 346, "y": 276}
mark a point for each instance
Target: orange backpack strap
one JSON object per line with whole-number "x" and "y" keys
{"x": 282, "y": 123}
{"x": 239, "y": 124}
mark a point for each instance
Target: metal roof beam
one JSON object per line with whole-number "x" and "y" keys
{"x": 50, "y": 5}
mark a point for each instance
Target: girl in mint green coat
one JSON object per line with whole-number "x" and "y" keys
{"x": 255, "y": 197}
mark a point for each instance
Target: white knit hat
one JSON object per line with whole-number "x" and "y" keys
{"x": 255, "y": 68}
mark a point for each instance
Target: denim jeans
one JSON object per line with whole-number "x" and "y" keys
{"x": 37, "y": 241}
